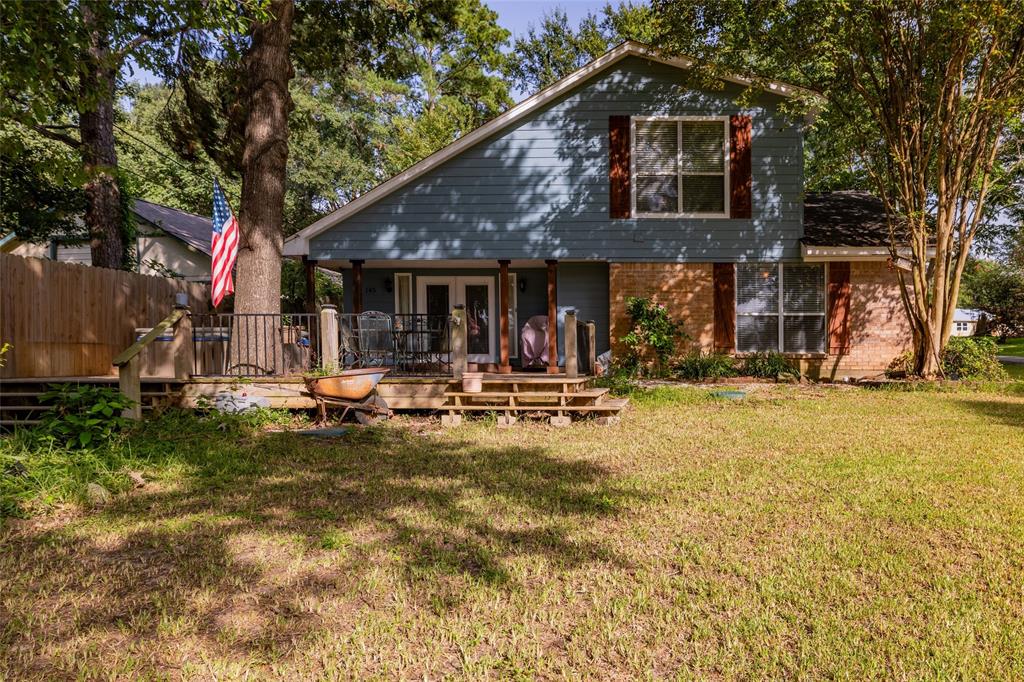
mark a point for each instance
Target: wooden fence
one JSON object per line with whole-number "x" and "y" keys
{"x": 64, "y": 319}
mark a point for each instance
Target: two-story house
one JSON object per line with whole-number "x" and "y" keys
{"x": 622, "y": 180}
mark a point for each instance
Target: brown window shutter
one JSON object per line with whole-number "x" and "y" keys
{"x": 618, "y": 167}
{"x": 839, "y": 307}
{"x": 739, "y": 167}
{"x": 725, "y": 307}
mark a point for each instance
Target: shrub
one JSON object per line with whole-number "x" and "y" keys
{"x": 768, "y": 365}
{"x": 620, "y": 381}
{"x": 83, "y": 415}
{"x": 965, "y": 357}
{"x": 700, "y": 366}
{"x": 652, "y": 337}
{"x": 972, "y": 357}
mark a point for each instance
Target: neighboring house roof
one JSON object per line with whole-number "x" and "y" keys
{"x": 848, "y": 218}
{"x": 192, "y": 229}
{"x": 968, "y": 315}
{"x": 298, "y": 244}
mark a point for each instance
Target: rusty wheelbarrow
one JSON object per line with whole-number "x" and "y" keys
{"x": 350, "y": 389}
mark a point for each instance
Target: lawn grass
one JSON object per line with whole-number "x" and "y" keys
{"x": 1013, "y": 346}
{"x": 806, "y": 531}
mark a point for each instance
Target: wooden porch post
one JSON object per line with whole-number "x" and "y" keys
{"x": 357, "y": 286}
{"x": 459, "y": 342}
{"x": 309, "y": 266}
{"x": 571, "y": 349}
{"x": 552, "y": 316}
{"x": 329, "y": 353}
{"x": 504, "y": 367}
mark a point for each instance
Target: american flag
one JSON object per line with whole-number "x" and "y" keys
{"x": 225, "y": 245}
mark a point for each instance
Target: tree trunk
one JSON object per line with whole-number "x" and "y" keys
{"x": 261, "y": 214}
{"x": 99, "y": 155}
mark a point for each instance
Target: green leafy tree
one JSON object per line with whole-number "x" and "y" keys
{"x": 998, "y": 289}
{"x": 923, "y": 93}
{"x": 40, "y": 187}
{"x": 555, "y": 49}
{"x": 63, "y": 64}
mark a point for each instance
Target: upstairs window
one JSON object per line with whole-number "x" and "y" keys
{"x": 680, "y": 167}
{"x": 780, "y": 307}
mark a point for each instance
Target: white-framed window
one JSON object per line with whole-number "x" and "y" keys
{"x": 680, "y": 166}
{"x": 403, "y": 293}
{"x": 780, "y": 307}
{"x": 962, "y": 327}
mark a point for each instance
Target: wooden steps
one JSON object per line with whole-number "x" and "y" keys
{"x": 558, "y": 398}
{"x": 20, "y": 403}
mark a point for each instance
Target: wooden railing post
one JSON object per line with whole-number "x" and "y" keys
{"x": 329, "y": 337}
{"x": 571, "y": 361}
{"x": 460, "y": 342}
{"x": 592, "y": 347}
{"x": 129, "y": 361}
{"x": 130, "y": 384}
{"x": 182, "y": 347}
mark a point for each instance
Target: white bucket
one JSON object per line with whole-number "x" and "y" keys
{"x": 472, "y": 382}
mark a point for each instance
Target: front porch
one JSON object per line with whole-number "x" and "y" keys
{"x": 262, "y": 359}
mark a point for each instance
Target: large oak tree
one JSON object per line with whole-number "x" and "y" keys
{"x": 63, "y": 63}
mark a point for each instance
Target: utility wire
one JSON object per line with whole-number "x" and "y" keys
{"x": 176, "y": 162}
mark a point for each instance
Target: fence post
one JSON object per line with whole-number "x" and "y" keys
{"x": 130, "y": 385}
{"x": 182, "y": 347}
{"x": 592, "y": 347}
{"x": 329, "y": 337}
{"x": 571, "y": 349}
{"x": 460, "y": 360}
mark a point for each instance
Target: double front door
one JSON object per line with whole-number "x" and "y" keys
{"x": 437, "y": 295}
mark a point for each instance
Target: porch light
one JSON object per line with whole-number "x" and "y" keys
{"x": 389, "y": 284}
{"x": 521, "y": 284}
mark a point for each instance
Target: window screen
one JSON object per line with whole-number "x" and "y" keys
{"x": 703, "y": 166}
{"x": 803, "y": 307}
{"x": 657, "y": 173}
{"x": 757, "y": 307}
{"x": 680, "y": 166}
{"x": 780, "y": 303}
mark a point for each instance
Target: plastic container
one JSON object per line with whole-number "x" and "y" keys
{"x": 157, "y": 357}
{"x": 472, "y": 382}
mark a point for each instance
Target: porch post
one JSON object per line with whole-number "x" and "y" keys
{"x": 329, "y": 338}
{"x": 357, "y": 286}
{"x": 504, "y": 367}
{"x": 552, "y": 316}
{"x": 592, "y": 347}
{"x": 460, "y": 360}
{"x": 571, "y": 349}
{"x": 309, "y": 266}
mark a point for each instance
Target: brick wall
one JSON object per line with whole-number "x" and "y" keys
{"x": 879, "y": 330}
{"x": 684, "y": 288}
{"x": 878, "y": 327}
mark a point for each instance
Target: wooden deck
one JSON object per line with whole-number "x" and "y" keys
{"x": 554, "y": 396}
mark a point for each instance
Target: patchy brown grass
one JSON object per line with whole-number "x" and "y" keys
{"x": 820, "y": 532}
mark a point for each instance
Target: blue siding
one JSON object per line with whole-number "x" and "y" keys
{"x": 539, "y": 189}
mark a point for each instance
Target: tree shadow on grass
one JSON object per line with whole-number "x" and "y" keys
{"x": 992, "y": 408}
{"x": 245, "y": 548}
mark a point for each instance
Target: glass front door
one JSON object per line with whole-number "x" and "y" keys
{"x": 437, "y": 296}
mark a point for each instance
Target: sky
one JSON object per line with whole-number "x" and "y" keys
{"x": 517, "y": 15}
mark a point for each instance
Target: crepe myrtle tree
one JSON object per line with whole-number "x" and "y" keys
{"x": 917, "y": 94}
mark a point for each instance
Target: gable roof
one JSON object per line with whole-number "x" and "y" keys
{"x": 190, "y": 228}
{"x": 298, "y": 244}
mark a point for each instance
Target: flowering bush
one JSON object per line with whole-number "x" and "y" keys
{"x": 651, "y": 341}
